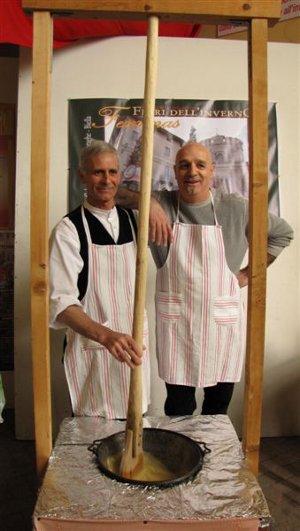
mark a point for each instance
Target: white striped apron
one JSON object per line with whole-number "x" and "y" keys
{"x": 98, "y": 383}
{"x": 199, "y": 311}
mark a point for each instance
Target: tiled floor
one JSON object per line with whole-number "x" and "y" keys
{"x": 279, "y": 479}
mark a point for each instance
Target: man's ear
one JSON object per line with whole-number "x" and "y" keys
{"x": 82, "y": 176}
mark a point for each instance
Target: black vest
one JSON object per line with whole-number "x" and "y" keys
{"x": 99, "y": 236}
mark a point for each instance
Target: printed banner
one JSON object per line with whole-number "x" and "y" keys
{"x": 220, "y": 125}
{"x": 290, "y": 9}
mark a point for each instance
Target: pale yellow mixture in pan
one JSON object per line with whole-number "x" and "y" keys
{"x": 152, "y": 470}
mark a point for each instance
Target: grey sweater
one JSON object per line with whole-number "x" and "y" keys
{"x": 232, "y": 214}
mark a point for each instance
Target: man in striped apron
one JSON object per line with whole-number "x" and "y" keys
{"x": 200, "y": 336}
{"x": 92, "y": 279}
{"x": 200, "y": 327}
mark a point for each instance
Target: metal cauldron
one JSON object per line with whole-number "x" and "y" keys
{"x": 180, "y": 454}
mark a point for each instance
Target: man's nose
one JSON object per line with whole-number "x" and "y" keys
{"x": 193, "y": 169}
{"x": 105, "y": 176}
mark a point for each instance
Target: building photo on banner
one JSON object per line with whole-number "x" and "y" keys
{"x": 220, "y": 125}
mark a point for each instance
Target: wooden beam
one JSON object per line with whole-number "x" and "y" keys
{"x": 40, "y": 130}
{"x": 258, "y": 226}
{"x": 186, "y": 11}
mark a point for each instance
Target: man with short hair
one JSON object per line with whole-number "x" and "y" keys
{"x": 92, "y": 280}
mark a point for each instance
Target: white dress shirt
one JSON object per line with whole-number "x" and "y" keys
{"x": 66, "y": 262}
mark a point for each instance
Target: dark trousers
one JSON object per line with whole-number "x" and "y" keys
{"x": 181, "y": 399}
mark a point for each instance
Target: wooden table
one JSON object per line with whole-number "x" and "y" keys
{"x": 75, "y": 495}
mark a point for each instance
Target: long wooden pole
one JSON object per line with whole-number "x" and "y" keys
{"x": 40, "y": 131}
{"x": 258, "y": 226}
{"x": 134, "y": 431}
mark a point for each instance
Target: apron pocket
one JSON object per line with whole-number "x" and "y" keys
{"x": 226, "y": 310}
{"x": 168, "y": 305}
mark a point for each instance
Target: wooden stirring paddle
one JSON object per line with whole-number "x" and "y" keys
{"x": 132, "y": 459}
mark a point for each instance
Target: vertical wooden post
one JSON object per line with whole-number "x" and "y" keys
{"x": 258, "y": 205}
{"x": 40, "y": 133}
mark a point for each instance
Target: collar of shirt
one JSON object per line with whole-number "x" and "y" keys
{"x": 108, "y": 218}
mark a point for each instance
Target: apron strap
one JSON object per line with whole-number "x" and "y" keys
{"x": 124, "y": 233}
{"x": 86, "y": 226}
{"x": 213, "y": 207}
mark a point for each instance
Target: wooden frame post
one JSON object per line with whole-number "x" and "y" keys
{"x": 40, "y": 132}
{"x": 258, "y": 228}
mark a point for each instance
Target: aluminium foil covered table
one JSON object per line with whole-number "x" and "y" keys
{"x": 75, "y": 495}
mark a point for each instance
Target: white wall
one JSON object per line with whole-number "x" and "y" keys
{"x": 191, "y": 69}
